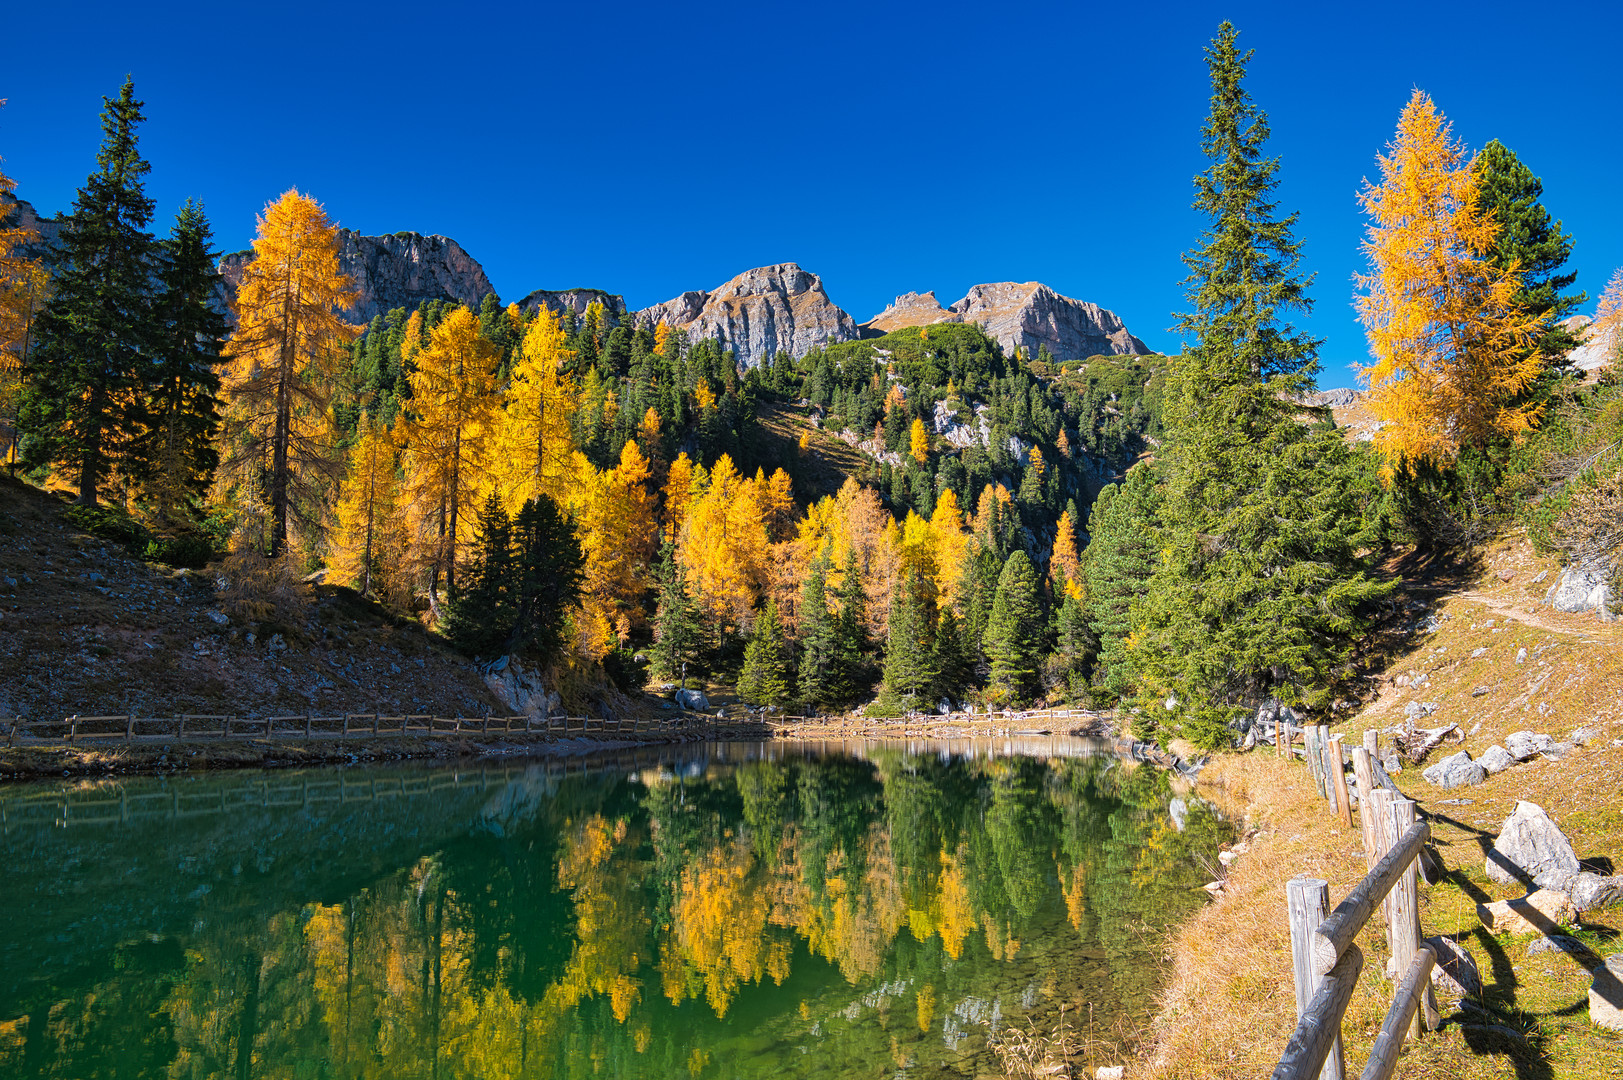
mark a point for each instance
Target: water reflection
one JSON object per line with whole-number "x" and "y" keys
{"x": 741, "y": 911}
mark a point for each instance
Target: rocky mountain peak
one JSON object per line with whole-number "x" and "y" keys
{"x": 575, "y": 301}
{"x": 403, "y": 269}
{"x": 758, "y": 313}
{"x": 909, "y": 309}
{"x": 1028, "y": 315}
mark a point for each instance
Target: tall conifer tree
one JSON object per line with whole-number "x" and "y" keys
{"x": 1258, "y": 585}
{"x": 176, "y": 448}
{"x": 88, "y": 373}
{"x": 766, "y": 678}
{"x": 1532, "y": 241}
{"x": 1013, "y": 630}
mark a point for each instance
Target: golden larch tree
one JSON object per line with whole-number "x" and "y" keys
{"x": 23, "y": 289}
{"x": 365, "y": 540}
{"x": 535, "y": 447}
{"x": 446, "y": 436}
{"x": 284, "y": 358}
{"x": 1065, "y": 565}
{"x": 918, "y": 442}
{"x": 618, "y": 536}
{"x": 1453, "y": 353}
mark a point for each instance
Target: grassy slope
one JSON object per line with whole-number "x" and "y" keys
{"x": 86, "y": 628}
{"x": 1230, "y": 1005}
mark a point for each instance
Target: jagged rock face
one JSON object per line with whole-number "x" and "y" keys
{"x": 909, "y": 309}
{"x": 573, "y": 300}
{"x": 20, "y": 214}
{"x": 1030, "y": 315}
{"x": 758, "y": 313}
{"x": 403, "y": 269}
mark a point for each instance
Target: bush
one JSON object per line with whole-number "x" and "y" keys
{"x": 111, "y": 524}
{"x": 187, "y": 552}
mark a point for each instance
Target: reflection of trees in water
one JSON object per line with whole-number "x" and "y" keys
{"x": 582, "y": 939}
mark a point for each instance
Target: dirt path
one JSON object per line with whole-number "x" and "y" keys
{"x": 1510, "y": 610}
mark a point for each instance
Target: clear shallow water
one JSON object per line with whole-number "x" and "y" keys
{"x": 728, "y": 911}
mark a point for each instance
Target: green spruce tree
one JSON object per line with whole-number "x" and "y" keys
{"x": 479, "y": 617}
{"x": 676, "y": 623}
{"x": 1013, "y": 638}
{"x": 1116, "y": 568}
{"x": 175, "y": 450}
{"x": 88, "y": 374}
{"x": 910, "y": 654}
{"x": 549, "y": 570}
{"x": 1532, "y": 240}
{"x": 819, "y": 652}
{"x": 1260, "y": 584}
{"x": 766, "y": 678}
{"x": 852, "y": 668}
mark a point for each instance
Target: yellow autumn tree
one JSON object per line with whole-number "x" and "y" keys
{"x": 535, "y": 447}
{"x": 1607, "y": 330}
{"x": 951, "y": 544}
{"x": 1065, "y": 565}
{"x": 618, "y": 536}
{"x": 446, "y": 437}
{"x": 284, "y": 359}
{"x": 365, "y": 541}
{"x": 918, "y": 442}
{"x": 722, "y": 544}
{"x": 23, "y": 289}
{"x": 1452, "y": 350}
{"x": 680, "y": 491}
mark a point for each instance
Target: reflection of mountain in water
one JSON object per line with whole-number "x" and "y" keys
{"x": 735, "y": 911}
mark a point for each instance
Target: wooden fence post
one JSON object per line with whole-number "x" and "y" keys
{"x": 129, "y": 727}
{"x": 225, "y": 726}
{"x": 374, "y": 725}
{"x": 1403, "y": 910}
{"x": 306, "y": 725}
{"x": 1340, "y": 776}
{"x": 1310, "y": 752}
{"x": 1372, "y": 743}
{"x": 1363, "y": 768}
{"x": 1324, "y": 765}
{"x": 1308, "y": 900}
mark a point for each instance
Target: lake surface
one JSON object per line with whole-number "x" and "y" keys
{"x": 729, "y": 910}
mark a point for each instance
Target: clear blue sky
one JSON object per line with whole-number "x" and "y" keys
{"x": 647, "y": 149}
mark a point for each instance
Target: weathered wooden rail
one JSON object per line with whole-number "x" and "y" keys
{"x": 1326, "y": 961}
{"x": 192, "y": 726}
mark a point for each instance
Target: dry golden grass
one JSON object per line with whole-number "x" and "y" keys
{"x": 1230, "y": 1006}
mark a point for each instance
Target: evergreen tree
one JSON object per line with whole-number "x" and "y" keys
{"x": 676, "y": 625}
{"x": 1121, "y": 555}
{"x": 910, "y": 654}
{"x": 479, "y": 616}
{"x": 766, "y": 678}
{"x": 549, "y": 572}
{"x": 952, "y": 663}
{"x": 1012, "y": 639}
{"x": 818, "y": 643}
{"x": 88, "y": 373}
{"x": 1531, "y": 240}
{"x": 1074, "y": 646}
{"x": 176, "y": 449}
{"x": 851, "y": 667}
{"x": 1258, "y": 584}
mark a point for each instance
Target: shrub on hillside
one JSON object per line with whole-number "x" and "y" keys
{"x": 187, "y": 552}
{"x": 111, "y": 524}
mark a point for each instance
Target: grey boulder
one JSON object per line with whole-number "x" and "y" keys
{"x": 1456, "y": 971}
{"x": 1526, "y": 744}
{"x": 1529, "y": 845}
{"x": 692, "y": 699}
{"x": 1456, "y": 770}
{"x": 1496, "y": 759}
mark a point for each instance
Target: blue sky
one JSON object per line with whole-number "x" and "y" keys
{"x": 648, "y": 149}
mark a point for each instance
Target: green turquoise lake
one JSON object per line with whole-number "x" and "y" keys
{"x": 877, "y": 909}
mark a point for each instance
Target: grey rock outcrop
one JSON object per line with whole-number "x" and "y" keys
{"x": 1606, "y": 994}
{"x": 575, "y": 301}
{"x": 1456, "y": 971}
{"x": 692, "y": 699}
{"x": 1588, "y": 891}
{"x": 1527, "y": 744}
{"x": 20, "y": 214}
{"x": 1030, "y": 315}
{"x": 520, "y": 688}
{"x": 1023, "y": 315}
{"x": 403, "y": 269}
{"x": 758, "y": 313}
{"x": 909, "y": 309}
{"x": 1582, "y": 588}
{"x": 1496, "y": 759}
{"x": 1539, "y": 912}
{"x": 1529, "y": 844}
{"x": 1456, "y": 770}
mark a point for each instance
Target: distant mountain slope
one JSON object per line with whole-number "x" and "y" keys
{"x": 401, "y": 270}
{"x": 1028, "y": 316}
{"x": 758, "y": 313}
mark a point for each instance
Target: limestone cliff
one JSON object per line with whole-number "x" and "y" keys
{"x": 1025, "y": 316}
{"x": 403, "y": 269}
{"x": 573, "y": 300}
{"x": 18, "y": 213}
{"x": 758, "y": 313}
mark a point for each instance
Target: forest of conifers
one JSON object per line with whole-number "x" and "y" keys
{"x": 605, "y": 498}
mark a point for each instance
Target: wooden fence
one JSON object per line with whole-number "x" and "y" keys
{"x": 191, "y": 726}
{"x": 128, "y": 728}
{"x": 1326, "y": 962}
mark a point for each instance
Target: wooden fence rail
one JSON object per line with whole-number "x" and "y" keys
{"x": 1327, "y": 963}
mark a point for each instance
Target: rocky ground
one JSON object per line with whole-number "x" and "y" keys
{"x": 86, "y": 628}
{"x": 1524, "y": 792}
